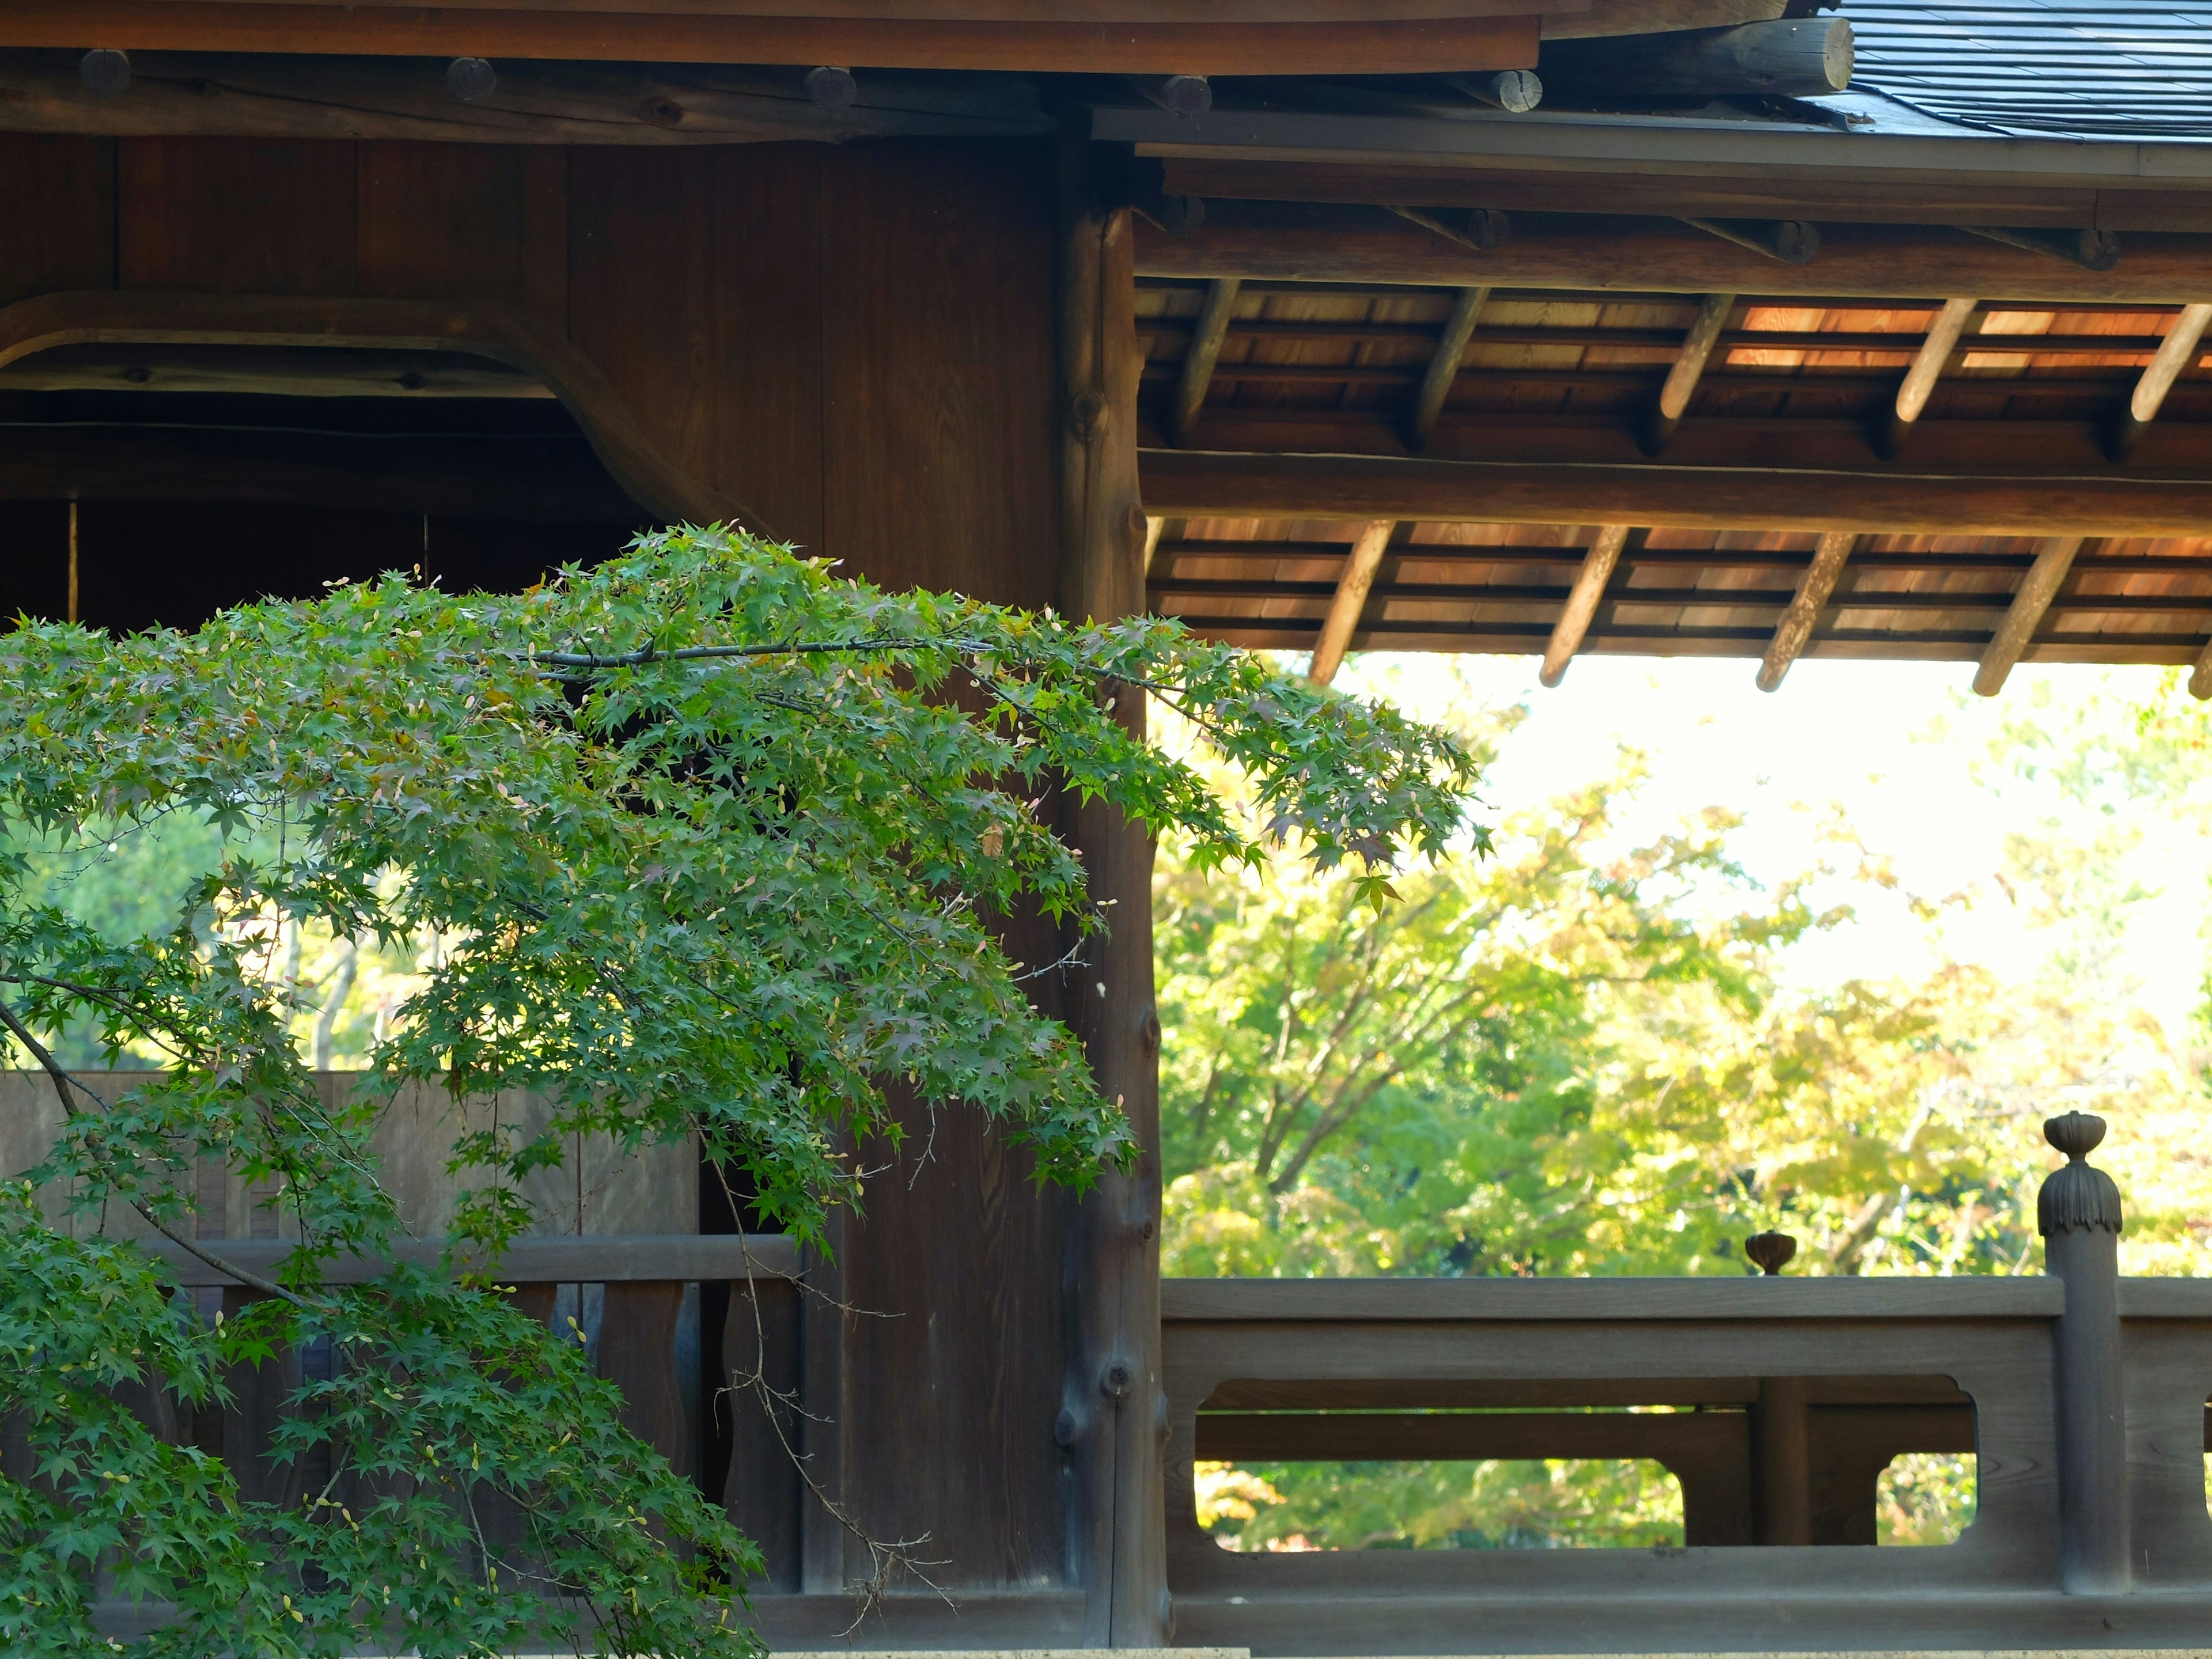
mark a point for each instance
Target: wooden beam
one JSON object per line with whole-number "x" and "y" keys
{"x": 1743, "y": 191}
{"x": 1792, "y": 242}
{"x": 1394, "y": 46}
{"x": 1153, "y": 527}
{"x": 1112, "y": 1389}
{"x": 230, "y": 95}
{"x": 2053, "y": 560}
{"x": 570, "y": 1259}
{"x": 1689, "y": 368}
{"x": 1444, "y": 366}
{"x": 1583, "y": 601}
{"x": 1305, "y": 242}
{"x": 1830, "y": 555}
{"x": 466, "y": 328}
{"x": 1936, "y": 352}
{"x": 287, "y": 371}
{"x": 2176, "y": 354}
{"x": 1363, "y": 1437}
{"x": 1199, "y": 357}
{"x": 1787, "y": 57}
{"x": 1187, "y": 483}
{"x": 1349, "y": 600}
{"x": 2200, "y": 678}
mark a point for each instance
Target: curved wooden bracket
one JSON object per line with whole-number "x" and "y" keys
{"x": 99, "y": 316}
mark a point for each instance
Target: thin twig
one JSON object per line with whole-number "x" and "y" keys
{"x": 63, "y": 1082}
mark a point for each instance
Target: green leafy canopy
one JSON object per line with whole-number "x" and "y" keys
{"x": 713, "y": 843}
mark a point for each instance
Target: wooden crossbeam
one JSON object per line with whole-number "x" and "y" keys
{"x": 1304, "y": 242}
{"x": 1583, "y": 601}
{"x": 1795, "y": 628}
{"x": 1936, "y": 350}
{"x": 1444, "y": 366}
{"x": 1200, "y": 483}
{"x": 2053, "y": 560}
{"x": 1199, "y": 358}
{"x": 1688, "y": 368}
{"x": 1351, "y": 589}
{"x": 2176, "y": 353}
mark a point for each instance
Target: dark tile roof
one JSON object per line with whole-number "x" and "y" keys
{"x": 2094, "y": 68}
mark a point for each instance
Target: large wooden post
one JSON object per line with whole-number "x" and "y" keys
{"x": 1114, "y": 1414}
{"x": 2078, "y": 1214}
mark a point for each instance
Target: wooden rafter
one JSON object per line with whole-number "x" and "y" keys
{"x": 1583, "y": 601}
{"x": 2176, "y": 353}
{"x": 2053, "y": 561}
{"x": 1349, "y": 600}
{"x": 1689, "y": 367}
{"x": 1795, "y": 628}
{"x": 1936, "y": 350}
{"x": 1444, "y": 366}
{"x": 1204, "y": 351}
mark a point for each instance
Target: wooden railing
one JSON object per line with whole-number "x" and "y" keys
{"x": 2082, "y": 1396}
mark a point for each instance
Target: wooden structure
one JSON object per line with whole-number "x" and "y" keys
{"x": 301, "y": 290}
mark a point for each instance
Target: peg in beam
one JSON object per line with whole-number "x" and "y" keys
{"x": 1770, "y": 1252}
{"x": 471, "y": 80}
{"x": 831, "y": 88}
{"x": 1190, "y": 96}
{"x": 1515, "y": 91}
{"x": 105, "y": 71}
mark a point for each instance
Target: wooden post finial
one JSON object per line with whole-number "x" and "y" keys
{"x": 1770, "y": 1252}
{"x": 2076, "y": 1197}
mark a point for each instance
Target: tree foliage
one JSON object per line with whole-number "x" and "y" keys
{"x": 713, "y": 843}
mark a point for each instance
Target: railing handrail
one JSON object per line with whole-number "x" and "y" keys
{"x": 1216, "y": 1300}
{"x": 571, "y": 1259}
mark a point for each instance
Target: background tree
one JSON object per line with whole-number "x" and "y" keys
{"x": 705, "y": 845}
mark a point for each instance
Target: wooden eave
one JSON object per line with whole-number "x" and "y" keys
{"x": 1204, "y": 37}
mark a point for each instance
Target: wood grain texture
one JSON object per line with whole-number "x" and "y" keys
{"x": 716, "y": 341}
{"x": 228, "y": 216}
{"x": 637, "y": 1354}
{"x": 531, "y": 1261}
{"x": 442, "y": 222}
{"x": 760, "y": 1373}
{"x": 1390, "y": 47}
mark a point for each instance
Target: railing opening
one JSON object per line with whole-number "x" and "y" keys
{"x": 1543, "y": 1503}
{"x": 1926, "y": 1497}
{"x": 1585, "y": 1463}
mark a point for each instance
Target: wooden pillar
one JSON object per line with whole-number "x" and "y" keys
{"x": 2078, "y": 1214}
{"x": 1113, "y": 1419}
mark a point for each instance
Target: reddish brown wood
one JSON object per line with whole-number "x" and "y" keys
{"x": 716, "y": 339}
{"x": 257, "y": 1396}
{"x": 231, "y": 215}
{"x": 760, "y": 1375}
{"x": 1384, "y": 48}
{"x": 444, "y": 221}
{"x": 65, "y": 189}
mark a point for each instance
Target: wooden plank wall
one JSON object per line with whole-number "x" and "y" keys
{"x": 859, "y": 343}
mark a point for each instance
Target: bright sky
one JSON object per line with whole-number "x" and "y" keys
{"x": 1893, "y": 742}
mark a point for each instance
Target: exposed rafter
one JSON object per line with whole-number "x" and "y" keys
{"x": 1199, "y": 359}
{"x": 1794, "y": 630}
{"x": 1927, "y": 365}
{"x": 1444, "y": 366}
{"x": 2176, "y": 353}
{"x": 1582, "y": 600}
{"x": 1689, "y": 368}
{"x": 2053, "y": 561}
{"x": 1351, "y": 598}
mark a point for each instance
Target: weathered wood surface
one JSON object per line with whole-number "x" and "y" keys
{"x": 581, "y": 1259}
{"x": 1111, "y": 1401}
{"x": 210, "y": 94}
{"x": 1276, "y": 1300}
{"x": 1390, "y": 46}
{"x": 1676, "y": 495}
{"x": 1662, "y": 190}
{"x": 1307, "y": 243}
